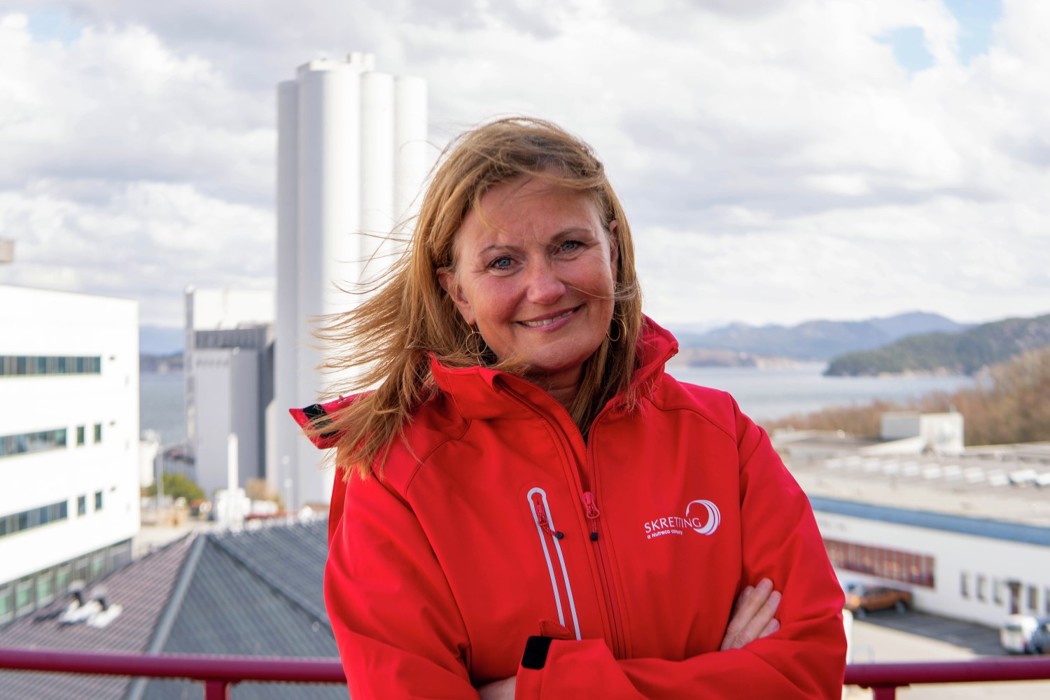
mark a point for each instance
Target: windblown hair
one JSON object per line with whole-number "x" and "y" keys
{"x": 389, "y": 338}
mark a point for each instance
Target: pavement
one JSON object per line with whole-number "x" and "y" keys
{"x": 888, "y": 636}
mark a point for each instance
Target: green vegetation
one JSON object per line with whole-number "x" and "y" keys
{"x": 178, "y": 486}
{"x": 1010, "y": 404}
{"x": 967, "y": 352}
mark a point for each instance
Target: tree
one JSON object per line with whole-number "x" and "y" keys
{"x": 178, "y": 486}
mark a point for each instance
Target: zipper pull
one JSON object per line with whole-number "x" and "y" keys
{"x": 590, "y": 507}
{"x": 541, "y": 518}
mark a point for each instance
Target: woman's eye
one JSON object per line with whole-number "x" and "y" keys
{"x": 501, "y": 263}
{"x": 569, "y": 246}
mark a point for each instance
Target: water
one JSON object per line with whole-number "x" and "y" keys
{"x": 771, "y": 393}
{"x": 161, "y": 406}
{"x": 763, "y": 394}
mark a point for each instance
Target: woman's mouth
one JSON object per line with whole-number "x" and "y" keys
{"x": 549, "y": 321}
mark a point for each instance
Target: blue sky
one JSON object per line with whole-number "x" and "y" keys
{"x": 780, "y": 160}
{"x": 975, "y": 18}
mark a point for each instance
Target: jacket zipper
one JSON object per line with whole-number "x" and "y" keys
{"x": 590, "y": 507}
{"x": 550, "y": 539}
{"x": 546, "y": 530}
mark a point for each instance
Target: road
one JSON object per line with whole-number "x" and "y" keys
{"x": 913, "y": 636}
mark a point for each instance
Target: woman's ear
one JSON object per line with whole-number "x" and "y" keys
{"x": 447, "y": 280}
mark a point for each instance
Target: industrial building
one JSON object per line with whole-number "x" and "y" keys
{"x": 966, "y": 531}
{"x": 69, "y": 442}
{"x": 352, "y": 158}
{"x": 229, "y": 375}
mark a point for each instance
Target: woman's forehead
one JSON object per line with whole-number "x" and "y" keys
{"x": 533, "y": 207}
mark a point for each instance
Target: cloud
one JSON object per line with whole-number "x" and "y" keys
{"x": 777, "y": 160}
{"x": 152, "y": 238}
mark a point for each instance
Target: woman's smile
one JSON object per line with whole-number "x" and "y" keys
{"x": 551, "y": 321}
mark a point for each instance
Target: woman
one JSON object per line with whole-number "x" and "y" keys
{"x": 531, "y": 506}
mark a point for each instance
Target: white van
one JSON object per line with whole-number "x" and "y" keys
{"x": 1015, "y": 636}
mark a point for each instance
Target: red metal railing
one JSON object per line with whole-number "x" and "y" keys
{"x": 884, "y": 679}
{"x": 219, "y": 673}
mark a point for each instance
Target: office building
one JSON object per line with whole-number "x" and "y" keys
{"x": 69, "y": 442}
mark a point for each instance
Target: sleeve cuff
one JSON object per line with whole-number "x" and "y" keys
{"x": 535, "y": 655}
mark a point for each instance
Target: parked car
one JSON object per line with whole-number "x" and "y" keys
{"x": 1041, "y": 637}
{"x": 1025, "y": 634}
{"x": 863, "y": 598}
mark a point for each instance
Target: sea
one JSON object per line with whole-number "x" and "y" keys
{"x": 162, "y": 407}
{"x": 769, "y": 393}
{"x": 764, "y": 393}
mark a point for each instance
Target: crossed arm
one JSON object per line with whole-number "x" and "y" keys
{"x": 753, "y": 618}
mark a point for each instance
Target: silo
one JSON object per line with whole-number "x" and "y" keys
{"x": 352, "y": 156}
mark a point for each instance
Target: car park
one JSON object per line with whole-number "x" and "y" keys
{"x": 863, "y": 598}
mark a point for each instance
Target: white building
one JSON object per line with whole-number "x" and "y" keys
{"x": 967, "y": 533}
{"x": 228, "y": 360}
{"x": 966, "y": 568}
{"x": 69, "y": 442}
{"x": 352, "y": 157}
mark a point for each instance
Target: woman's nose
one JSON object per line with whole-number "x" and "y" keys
{"x": 544, "y": 285}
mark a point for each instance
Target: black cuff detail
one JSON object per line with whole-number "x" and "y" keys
{"x": 319, "y": 419}
{"x": 535, "y": 655}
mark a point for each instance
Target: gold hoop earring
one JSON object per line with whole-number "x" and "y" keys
{"x": 621, "y": 330}
{"x": 475, "y": 344}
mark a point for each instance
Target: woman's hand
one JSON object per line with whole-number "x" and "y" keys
{"x": 752, "y": 619}
{"x": 752, "y": 615}
{"x": 498, "y": 690}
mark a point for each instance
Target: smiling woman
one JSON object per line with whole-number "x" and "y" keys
{"x": 532, "y": 507}
{"x": 534, "y": 274}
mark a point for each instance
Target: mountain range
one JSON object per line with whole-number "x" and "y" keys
{"x": 964, "y": 352}
{"x": 812, "y": 340}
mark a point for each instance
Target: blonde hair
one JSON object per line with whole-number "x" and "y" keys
{"x": 391, "y": 335}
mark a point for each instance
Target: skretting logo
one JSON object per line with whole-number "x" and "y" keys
{"x": 701, "y": 516}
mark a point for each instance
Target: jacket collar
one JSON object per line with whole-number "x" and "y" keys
{"x": 481, "y": 392}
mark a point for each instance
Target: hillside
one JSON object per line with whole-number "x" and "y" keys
{"x": 965, "y": 352}
{"x": 816, "y": 340}
{"x": 1008, "y": 406}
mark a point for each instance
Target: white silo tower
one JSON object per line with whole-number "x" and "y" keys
{"x": 352, "y": 157}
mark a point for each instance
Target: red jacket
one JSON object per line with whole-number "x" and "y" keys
{"x": 497, "y": 542}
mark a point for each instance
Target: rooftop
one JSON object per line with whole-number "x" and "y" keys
{"x": 256, "y": 592}
{"x": 1007, "y": 483}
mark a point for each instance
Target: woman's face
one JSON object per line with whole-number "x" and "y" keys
{"x": 535, "y": 272}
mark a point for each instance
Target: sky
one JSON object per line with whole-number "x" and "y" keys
{"x": 779, "y": 160}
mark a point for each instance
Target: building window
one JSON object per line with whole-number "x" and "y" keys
{"x": 982, "y": 587}
{"x": 7, "y": 608}
{"x": 964, "y": 584}
{"x": 98, "y": 500}
{"x": 24, "y": 443}
{"x": 39, "y": 365}
{"x": 997, "y": 591}
{"x": 62, "y": 579}
{"x": 891, "y": 564}
{"x": 98, "y": 433}
{"x": 1033, "y": 599}
{"x": 23, "y": 596}
{"x": 35, "y": 517}
{"x": 81, "y": 435}
{"x": 81, "y": 505}
{"x": 45, "y": 588}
